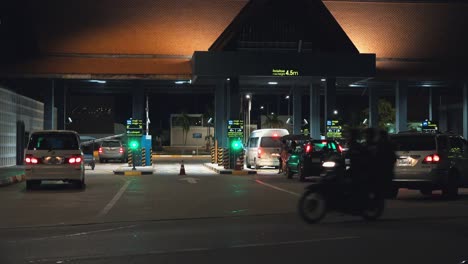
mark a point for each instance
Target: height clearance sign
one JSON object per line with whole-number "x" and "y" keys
{"x": 235, "y": 129}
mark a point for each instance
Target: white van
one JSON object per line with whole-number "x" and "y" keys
{"x": 54, "y": 155}
{"x": 261, "y": 145}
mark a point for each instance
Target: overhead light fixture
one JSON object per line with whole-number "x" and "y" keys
{"x": 288, "y": 121}
{"x": 272, "y": 83}
{"x": 183, "y": 82}
{"x": 286, "y": 97}
{"x": 98, "y": 81}
{"x": 210, "y": 121}
{"x": 248, "y": 96}
{"x": 335, "y": 112}
{"x": 261, "y": 107}
{"x": 228, "y": 79}
{"x": 272, "y": 113}
{"x": 323, "y": 79}
{"x": 306, "y": 122}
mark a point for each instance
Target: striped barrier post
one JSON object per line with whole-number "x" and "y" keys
{"x": 151, "y": 157}
{"x": 212, "y": 152}
{"x": 130, "y": 158}
{"x": 220, "y": 156}
{"x": 143, "y": 157}
{"x": 226, "y": 158}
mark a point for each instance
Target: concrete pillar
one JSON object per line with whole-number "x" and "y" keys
{"x": 220, "y": 113}
{"x": 401, "y": 105}
{"x": 314, "y": 121}
{"x": 465, "y": 110}
{"x": 443, "y": 114}
{"x": 330, "y": 99}
{"x": 138, "y": 101}
{"x": 234, "y": 99}
{"x": 60, "y": 96}
{"x": 297, "y": 110}
{"x": 430, "y": 105}
{"x": 373, "y": 107}
{"x": 49, "y": 102}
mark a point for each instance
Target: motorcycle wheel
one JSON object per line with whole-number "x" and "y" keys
{"x": 374, "y": 209}
{"x": 312, "y": 207}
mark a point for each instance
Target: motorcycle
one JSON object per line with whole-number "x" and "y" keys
{"x": 329, "y": 194}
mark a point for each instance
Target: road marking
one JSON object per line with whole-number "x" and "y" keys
{"x": 189, "y": 180}
{"x": 293, "y": 242}
{"x": 114, "y": 200}
{"x": 278, "y": 188}
{"x": 76, "y": 234}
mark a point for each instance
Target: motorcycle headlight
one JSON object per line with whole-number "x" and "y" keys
{"x": 329, "y": 164}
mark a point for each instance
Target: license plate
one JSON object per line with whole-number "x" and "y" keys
{"x": 316, "y": 160}
{"x": 53, "y": 160}
{"x": 404, "y": 162}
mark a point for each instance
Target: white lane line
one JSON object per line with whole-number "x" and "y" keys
{"x": 278, "y": 188}
{"x": 114, "y": 200}
{"x": 76, "y": 234}
{"x": 293, "y": 242}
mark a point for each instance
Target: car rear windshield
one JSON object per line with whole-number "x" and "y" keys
{"x": 53, "y": 141}
{"x": 320, "y": 145}
{"x": 112, "y": 144}
{"x": 270, "y": 142}
{"x": 415, "y": 143}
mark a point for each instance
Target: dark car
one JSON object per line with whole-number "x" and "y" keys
{"x": 315, "y": 153}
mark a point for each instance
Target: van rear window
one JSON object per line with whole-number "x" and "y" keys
{"x": 415, "y": 143}
{"x": 53, "y": 141}
{"x": 270, "y": 142}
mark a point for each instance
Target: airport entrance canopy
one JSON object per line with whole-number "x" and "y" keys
{"x": 272, "y": 38}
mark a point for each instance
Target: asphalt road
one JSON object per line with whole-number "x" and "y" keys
{"x": 207, "y": 218}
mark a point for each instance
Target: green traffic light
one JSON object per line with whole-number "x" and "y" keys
{"x": 236, "y": 145}
{"x": 133, "y": 144}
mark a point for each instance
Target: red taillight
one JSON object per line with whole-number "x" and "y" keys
{"x": 74, "y": 160}
{"x": 308, "y": 148}
{"x": 431, "y": 159}
{"x": 324, "y": 142}
{"x": 100, "y": 150}
{"x": 121, "y": 150}
{"x": 340, "y": 148}
{"x": 275, "y": 135}
{"x": 31, "y": 160}
{"x": 259, "y": 152}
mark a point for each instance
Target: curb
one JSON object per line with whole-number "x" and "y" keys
{"x": 133, "y": 173}
{"x": 230, "y": 172}
{"x": 12, "y": 179}
{"x": 180, "y": 156}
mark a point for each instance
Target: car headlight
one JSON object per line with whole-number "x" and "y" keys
{"x": 329, "y": 164}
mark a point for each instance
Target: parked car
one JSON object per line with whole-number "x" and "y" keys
{"x": 314, "y": 153}
{"x": 54, "y": 155}
{"x": 263, "y": 148}
{"x": 111, "y": 150}
{"x": 430, "y": 161}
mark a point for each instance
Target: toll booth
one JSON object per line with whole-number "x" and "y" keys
{"x": 140, "y": 146}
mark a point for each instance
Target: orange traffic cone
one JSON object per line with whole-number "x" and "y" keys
{"x": 182, "y": 169}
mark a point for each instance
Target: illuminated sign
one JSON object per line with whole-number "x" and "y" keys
{"x": 284, "y": 72}
{"x": 134, "y": 127}
{"x": 334, "y": 129}
{"x": 429, "y": 127}
{"x": 235, "y": 129}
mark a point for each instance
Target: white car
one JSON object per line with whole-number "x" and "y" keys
{"x": 54, "y": 155}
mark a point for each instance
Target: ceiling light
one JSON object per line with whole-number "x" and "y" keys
{"x": 272, "y": 83}
{"x": 97, "y": 81}
{"x": 323, "y": 79}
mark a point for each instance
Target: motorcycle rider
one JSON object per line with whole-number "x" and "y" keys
{"x": 385, "y": 162}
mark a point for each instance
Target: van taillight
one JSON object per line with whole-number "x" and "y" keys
{"x": 30, "y": 159}
{"x": 340, "y": 148}
{"x": 100, "y": 149}
{"x": 259, "y": 151}
{"x": 308, "y": 148}
{"x": 431, "y": 159}
{"x": 121, "y": 150}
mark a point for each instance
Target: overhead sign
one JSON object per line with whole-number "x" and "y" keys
{"x": 284, "y": 72}
{"x": 134, "y": 127}
{"x": 429, "y": 127}
{"x": 235, "y": 129}
{"x": 334, "y": 129}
